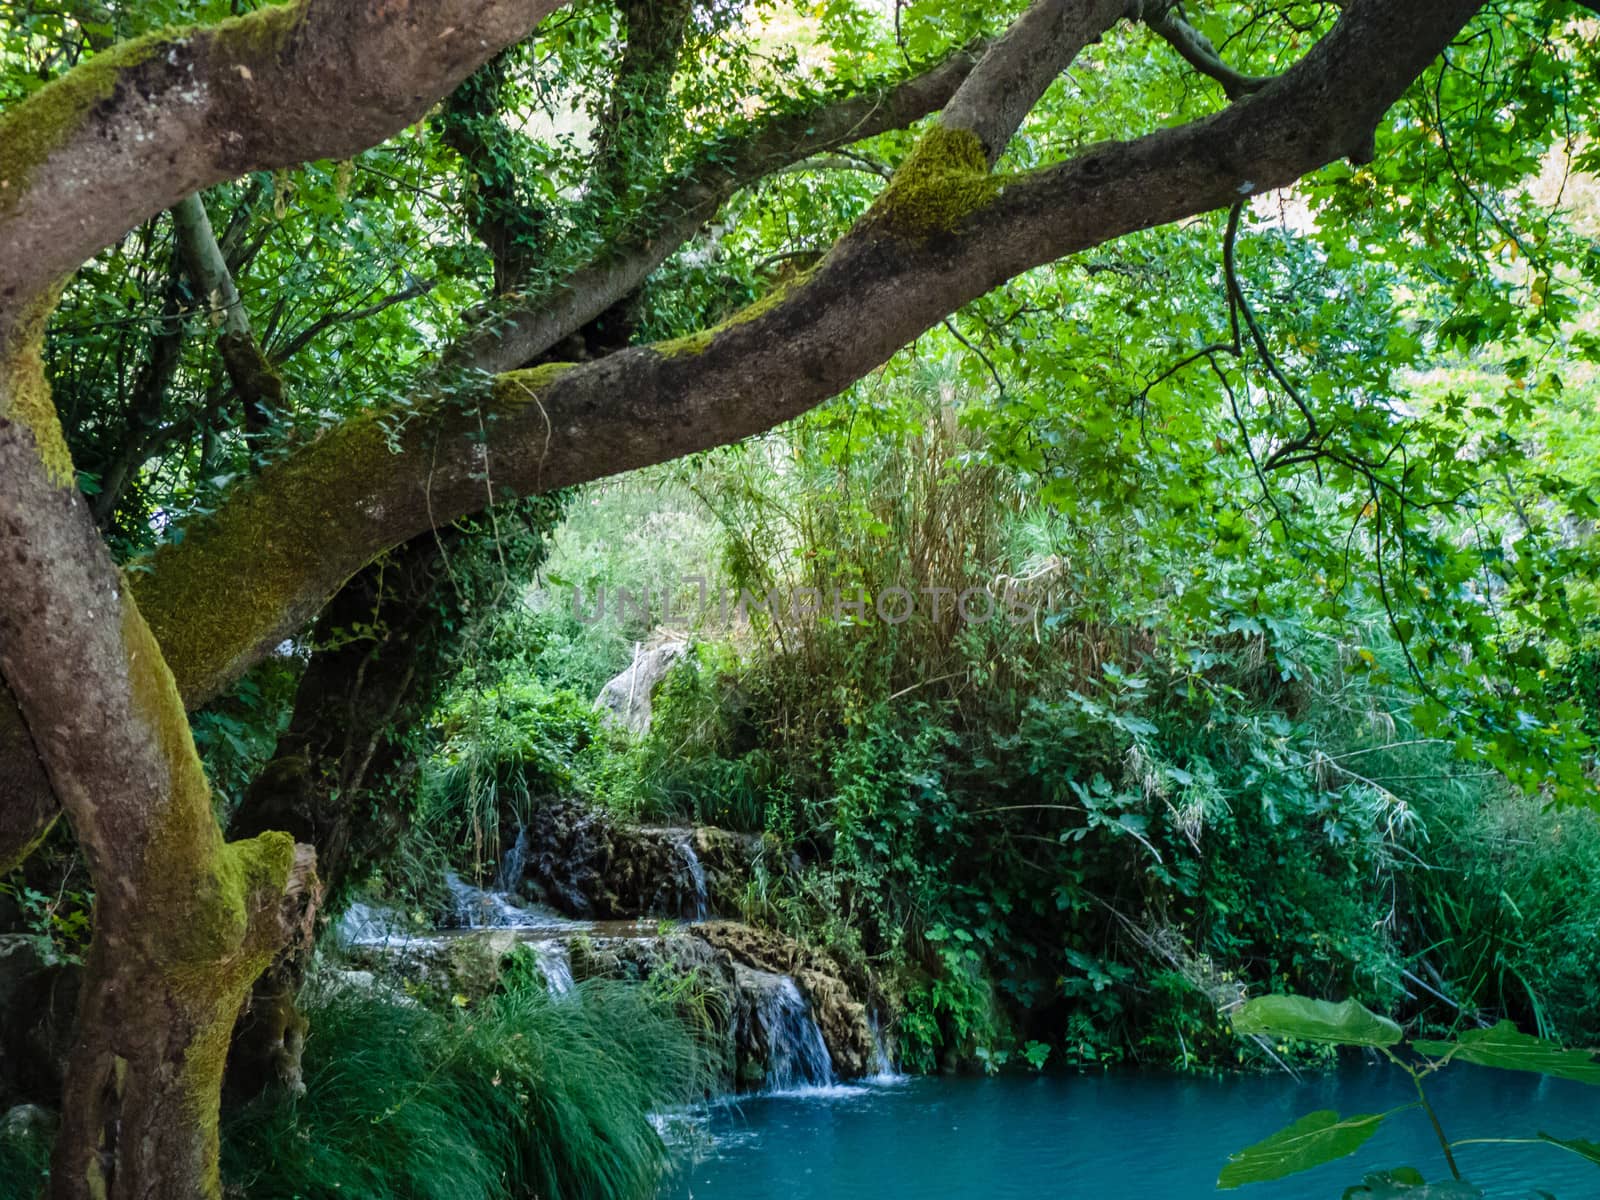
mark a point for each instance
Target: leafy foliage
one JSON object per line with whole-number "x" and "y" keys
{"x": 1344, "y": 1024}
{"x": 1322, "y": 1137}
{"x": 1314, "y": 1139}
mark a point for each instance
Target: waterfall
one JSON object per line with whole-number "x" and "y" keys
{"x": 697, "y": 873}
{"x": 478, "y": 909}
{"x": 513, "y": 864}
{"x": 555, "y": 963}
{"x": 796, "y": 1054}
{"x": 883, "y": 1067}
{"x": 364, "y": 924}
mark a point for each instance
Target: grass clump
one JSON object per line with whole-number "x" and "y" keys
{"x": 523, "y": 1096}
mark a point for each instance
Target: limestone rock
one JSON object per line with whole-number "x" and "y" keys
{"x": 625, "y": 701}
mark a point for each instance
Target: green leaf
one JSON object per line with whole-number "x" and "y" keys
{"x": 1406, "y": 1183}
{"x": 1506, "y": 1047}
{"x": 1589, "y": 1150}
{"x": 1314, "y": 1139}
{"x": 1344, "y": 1024}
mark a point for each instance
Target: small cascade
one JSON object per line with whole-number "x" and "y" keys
{"x": 796, "y": 1054}
{"x": 697, "y": 874}
{"x": 364, "y": 924}
{"x": 555, "y": 964}
{"x": 513, "y": 864}
{"x": 883, "y": 1067}
{"x": 475, "y": 908}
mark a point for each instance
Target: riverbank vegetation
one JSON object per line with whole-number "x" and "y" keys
{"x": 561, "y": 558}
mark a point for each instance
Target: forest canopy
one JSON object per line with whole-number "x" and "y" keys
{"x": 1258, "y": 338}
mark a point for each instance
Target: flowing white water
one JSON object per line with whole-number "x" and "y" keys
{"x": 513, "y": 864}
{"x": 883, "y": 1068}
{"x": 476, "y": 908}
{"x": 555, "y": 962}
{"x": 365, "y": 924}
{"x": 697, "y": 873}
{"x": 796, "y": 1054}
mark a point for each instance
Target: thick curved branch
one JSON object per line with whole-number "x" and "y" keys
{"x": 298, "y": 531}
{"x": 139, "y": 127}
{"x": 183, "y": 920}
{"x": 536, "y": 321}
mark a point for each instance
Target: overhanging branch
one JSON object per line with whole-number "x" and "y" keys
{"x": 1200, "y": 54}
{"x": 531, "y": 323}
{"x": 137, "y": 128}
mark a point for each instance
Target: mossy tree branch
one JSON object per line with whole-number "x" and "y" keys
{"x": 137, "y": 128}
{"x": 530, "y": 324}
{"x": 1023, "y": 62}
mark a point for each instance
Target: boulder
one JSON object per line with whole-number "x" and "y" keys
{"x": 625, "y": 701}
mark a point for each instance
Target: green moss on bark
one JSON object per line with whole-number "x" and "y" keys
{"x": 211, "y": 909}
{"x": 697, "y": 342}
{"x": 273, "y": 531}
{"x": 25, "y": 391}
{"x": 260, "y": 35}
{"x": 944, "y": 181}
{"x": 212, "y": 891}
{"x": 514, "y": 388}
{"x": 34, "y": 129}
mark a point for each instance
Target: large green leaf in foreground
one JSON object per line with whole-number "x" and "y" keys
{"x": 1346, "y": 1024}
{"x": 1311, "y": 1141}
{"x": 1506, "y": 1047}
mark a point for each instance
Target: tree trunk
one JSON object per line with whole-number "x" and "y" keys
{"x": 140, "y": 1108}
{"x": 183, "y": 921}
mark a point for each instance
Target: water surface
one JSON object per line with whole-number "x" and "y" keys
{"x": 1125, "y": 1137}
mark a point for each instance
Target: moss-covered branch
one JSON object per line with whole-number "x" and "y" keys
{"x": 529, "y": 324}
{"x": 134, "y": 129}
